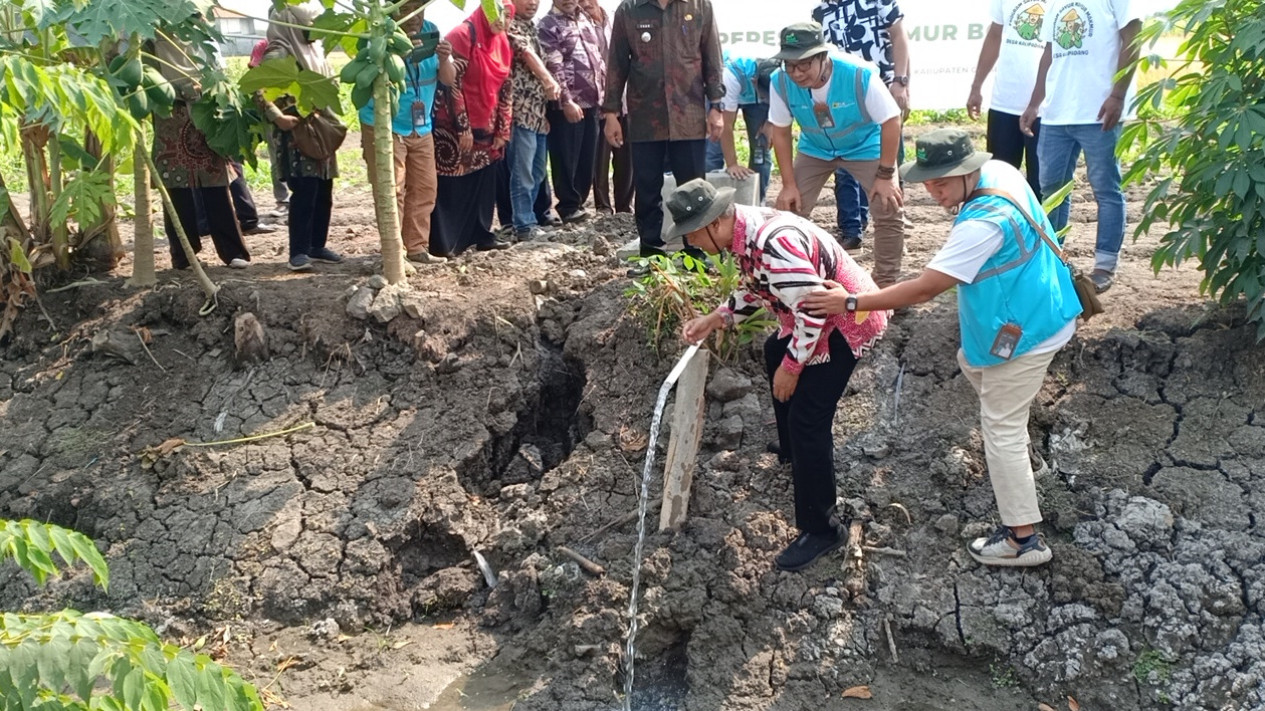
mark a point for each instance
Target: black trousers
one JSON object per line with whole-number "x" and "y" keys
{"x": 311, "y": 202}
{"x": 687, "y": 161}
{"x": 621, "y": 160}
{"x": 222, "y": 225}
{"x": 243, "y": 202}
{"x": 463, "y": 212}
{"x": 1006, "y": 142}
{"x": 804, "y": 429}
{"x": 572, "y": 155}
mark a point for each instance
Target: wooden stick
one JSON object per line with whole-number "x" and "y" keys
{"x": 141, "y": 338}
{"x": 587, "y": 565}
{"x": 687, "y": 431}
{"x": 894, "y": 552}
{"x": 891, "y": 641}
{"x": 616, "y": 523}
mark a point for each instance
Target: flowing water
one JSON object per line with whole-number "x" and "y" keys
{"x": 642, "y": 503}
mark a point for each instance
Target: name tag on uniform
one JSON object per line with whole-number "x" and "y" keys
{"x": 824, "y": 118}
{"x": 644, "y": 27}
{"x": 1007, "y": 341}
{"x": 419, "y": 112}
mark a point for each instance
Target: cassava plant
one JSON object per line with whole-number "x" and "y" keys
{"x": 1201, "y": 135}
{"x": 369, "y": 32}
{"x": 73, "y": 661}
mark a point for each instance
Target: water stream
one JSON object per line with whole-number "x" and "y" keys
{"x": 642, "y": 503}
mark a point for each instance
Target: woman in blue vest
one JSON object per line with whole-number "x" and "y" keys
{"x": 415, "y": 181}
{"x": 1016, "y": 309}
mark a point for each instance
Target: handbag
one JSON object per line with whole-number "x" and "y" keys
{"x": 318, "y": 135}
{"x": 1085, "y": 292}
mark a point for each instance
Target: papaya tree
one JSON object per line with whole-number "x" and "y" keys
{"x": 369, "y": 32}
{"x": 1201, "y": 133}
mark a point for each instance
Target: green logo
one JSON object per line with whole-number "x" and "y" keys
{"x": 1070, "y": 32}
{"x": 1028, "y": 23}
{"x": 922, "y": 154}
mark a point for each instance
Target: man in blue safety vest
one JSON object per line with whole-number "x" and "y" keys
{"x": 746, "y": 89}
{"x": 847, "y": 119}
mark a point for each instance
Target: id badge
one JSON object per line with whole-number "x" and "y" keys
{"x": 1007, "y": 341}
{"x": 419, "y": 113}
{"x": 824, "y": 117}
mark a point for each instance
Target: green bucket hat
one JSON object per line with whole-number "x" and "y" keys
{"x": 943, "y": 153}
{"x": 801, "y": 41}
{"x": 696, "y": 205}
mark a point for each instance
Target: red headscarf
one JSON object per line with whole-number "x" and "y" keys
{"x": 489, "y": 58}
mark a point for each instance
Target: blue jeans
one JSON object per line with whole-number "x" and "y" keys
{"x": 851, "y": 202}
{"x": 527, "y": 155}
{"x": 1057, "y": 151}
{"x": 761, "y": 160}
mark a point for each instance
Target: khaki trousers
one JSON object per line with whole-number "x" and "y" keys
{"x": 1005, "y": 394}
{"x": 811, "y": 175}
{"x": 415, "y": 184}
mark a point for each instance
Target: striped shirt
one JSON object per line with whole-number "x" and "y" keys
{"x": 783, "y": 258}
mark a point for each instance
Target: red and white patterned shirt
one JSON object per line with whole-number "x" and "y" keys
{"x": 783, "y": 258}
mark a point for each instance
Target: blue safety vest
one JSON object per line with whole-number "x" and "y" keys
{"x": 421, "y": 80}
{"x": 1023, "y": 283}
{"x": 747, "y": 71}
{"x": 853, "y": 134}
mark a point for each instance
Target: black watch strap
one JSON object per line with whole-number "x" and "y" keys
{"x": 850, "y": 304}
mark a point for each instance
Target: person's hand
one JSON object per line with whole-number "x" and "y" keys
{"x": 784, "y": 382}
{"x": 831, "y": 300}
{"x": 887, "y": 192}
{"x": 715, "y": 124}
{"x": 1110, "y": 112}
{"x": 900, "y": 92}
{"x": 739, "y": 172}
{"x": 286, "y": 122}
{"x": 498, "y": 143}
{"x": 552, "y": 88}
{"x": 614, "y": 132}
{"x": 465, "y": 141}
{"x": 696, "y": 329}
{"x": 789, "y": 200}
{"x": 974, "y": 102}
{"x": 443, "y": 50}
{"x": 572, "y": 112}
{"x": 1027, "y": 120}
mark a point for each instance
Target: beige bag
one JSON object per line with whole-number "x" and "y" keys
{"x": 318, "y": 135}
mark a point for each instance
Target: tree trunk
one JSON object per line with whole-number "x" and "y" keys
{"x": 34, "y": 136}
{"x": 60, "y": 234}
{"x": 101, "y": 240}
{"x": 383, "y": 182}
{"x": 143, "y": 225}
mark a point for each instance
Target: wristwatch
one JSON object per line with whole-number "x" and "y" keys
{"x": 850, "y": 304}
{"x": 902, "y": 79}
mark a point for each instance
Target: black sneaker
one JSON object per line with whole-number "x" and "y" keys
{"x": 578, "y": 216}
{"x": 850, "y": 243}
{"x": 1002, "y": 549}
{"x": 326, "y": 255}
{"x": 807, "y": 548}
{"x": 548, "y": 220}
{"x": 493, "y": 245}
{"x": 776, "y": 448}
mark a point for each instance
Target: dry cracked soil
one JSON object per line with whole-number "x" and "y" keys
{"x": 506, "y": 411}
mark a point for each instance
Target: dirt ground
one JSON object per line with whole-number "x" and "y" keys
{"x": 505, "y": 412}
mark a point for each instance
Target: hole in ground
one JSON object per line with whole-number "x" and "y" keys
{"x": 422, "y": 550}
{"x": 660, "y": 683}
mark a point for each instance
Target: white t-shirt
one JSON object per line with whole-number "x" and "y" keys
{"x": 1022, "y": 22}
{"x": 733, "y": 91}
{"x": 973, "y": 242}
{"x": 878, "y": 101}
{"x": 1085, "y": 39}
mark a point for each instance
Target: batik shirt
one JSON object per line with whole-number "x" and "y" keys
{"x": 862, "y": 28}
{"x": 573, "y": 53}
{"x": 783, "y": 258}
{"x": 529, "y": 94}
{"x": 669, "y": 60}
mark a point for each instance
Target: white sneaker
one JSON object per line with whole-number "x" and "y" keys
{"x": 1002, "y": 549}
{"x": 238, "y": 263}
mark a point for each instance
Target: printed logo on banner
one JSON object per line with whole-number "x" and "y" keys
{"x": 1027, "y": 19}
{"x": 1072, "y": 25}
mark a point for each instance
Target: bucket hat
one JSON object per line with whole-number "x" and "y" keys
{"x": 943, "y": 153}
{"x": 801, "y": 41}
{"x": 697, "y": 204}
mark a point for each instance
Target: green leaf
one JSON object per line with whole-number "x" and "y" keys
{"x": 210, "y": 685}
{"x": 133, "y": 689}
{"x": 182, "y": 679}
{"x": 79, "y": 661}
{"x": 17, "y": 257}
{"x": 492, "y": 8}
{"x": 282, "y": 75}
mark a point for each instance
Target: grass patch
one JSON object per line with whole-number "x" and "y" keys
{"x": 1151, "y": 664}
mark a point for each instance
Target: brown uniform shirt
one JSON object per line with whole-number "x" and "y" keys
{"x": 669, "y": 59}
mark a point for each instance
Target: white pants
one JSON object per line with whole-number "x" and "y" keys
{"x": 1005, "y": 394}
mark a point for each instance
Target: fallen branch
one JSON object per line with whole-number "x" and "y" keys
{"x": 894, "y": 552}
{"x": 74, "y": 285}
{"x": 252, "y": 438}
{"x": 616, "y": 523}
{"x": 141, "y": 338}
{"x": 585, "y": 564}
{"x": 891, "y": 641}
